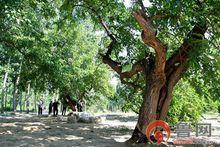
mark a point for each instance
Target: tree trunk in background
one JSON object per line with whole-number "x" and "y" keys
{"x": 4, "y": 85}
{"x": 28, "y": 97}
{"x": 3, "y": 91}
{"x": 24, "y": 101}
{"x": 11, "y": 103}
{"x": 20, "y": 101}
{"x": 14, "y": 99}
{"x": 71, "y": 102}
{"x": 15, "y": 93}
{"x": 35, "y": 102}
{"x": 84, "y": 105}
{"x": 6, "y": 96}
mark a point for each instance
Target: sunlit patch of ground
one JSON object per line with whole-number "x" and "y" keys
{"x": 29, "y": 129}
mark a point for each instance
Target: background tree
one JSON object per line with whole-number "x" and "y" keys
{"x": 45, "y": 57}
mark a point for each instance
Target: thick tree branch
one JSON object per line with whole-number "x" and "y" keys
{"x": 150, "y": 39}
{"x": 132, "y": 84}
{"x": 171, "y": 82}
{"x": 113, "y": 64}
{"x": 177, "y": 65}
{"x": 136, "y": 67}
{"x": 102, "y": 22}
{"x": 181, "y": 54}
{"x": 140, "y": 2}
{"x": 116, "y": 66}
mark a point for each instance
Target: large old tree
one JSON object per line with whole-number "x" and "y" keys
{"x": 171, "y": 31}
{"x": 150, "y": 47}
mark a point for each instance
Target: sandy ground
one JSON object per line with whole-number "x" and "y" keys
{"x": 32, "y": 130}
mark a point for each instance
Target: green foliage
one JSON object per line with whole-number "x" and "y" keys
{"x": 187, "y": 105}
{"x": 56, "y": 46}
{"x": 176, "y": 19}
{"x": 8, "y": 109}
{"x": 51, "y": 57}
{"x": 127, "y": 98}
{"x": 218, "y": 105}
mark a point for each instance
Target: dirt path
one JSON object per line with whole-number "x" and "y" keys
{"x": 31, "y": 130}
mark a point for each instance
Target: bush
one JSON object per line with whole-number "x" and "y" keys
{"x": 8, "y": 108}
{"x": 187, "y": 105}
{"x": 218, "y": 107}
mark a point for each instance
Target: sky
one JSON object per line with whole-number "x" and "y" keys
{"x": 145, "y": 2}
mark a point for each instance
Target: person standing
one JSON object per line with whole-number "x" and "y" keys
{"x": 50, "y": 107}
{"x": 40, "y": 107}
{"x": 55, "y": 108}
{"x": 64, "y": 109}
{"x": 64, "y": 106}
{"x": 79, "y": 106}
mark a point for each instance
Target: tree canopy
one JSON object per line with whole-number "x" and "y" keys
{"x": 51, "y": 57}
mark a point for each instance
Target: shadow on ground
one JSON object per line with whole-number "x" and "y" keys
{"x": 121, "y": 118}
{"x": 49, "y": 131}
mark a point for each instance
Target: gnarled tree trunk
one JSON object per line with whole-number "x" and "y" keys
{"x": 160, "y": 87}
{"x": 72, "y": 104}
{"x": 161, "y": 74}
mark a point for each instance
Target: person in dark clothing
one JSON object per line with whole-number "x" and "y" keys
{"x": 79, "y": 106}
{"x": 64, "y": 106}
{"x": 64, "y": 109}
{"x": 55, "y": 108}
{"x": 50, "y": 107}
{"x": 40, "y": 108}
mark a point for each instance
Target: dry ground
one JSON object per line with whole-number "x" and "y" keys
{"x": 32, "y": 130}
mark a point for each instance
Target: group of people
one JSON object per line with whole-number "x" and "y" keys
{"x": 53, "y": 107}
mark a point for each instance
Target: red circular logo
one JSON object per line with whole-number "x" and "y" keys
{"x": 158, "y": 135}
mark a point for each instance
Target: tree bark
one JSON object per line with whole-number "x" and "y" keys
{"x": 24, "y": 101}
{"x": 15, "y": 93}
{"x": 71, "y": 102}
{"x": 35, "y": 102}
{"x": 4, "y": 86}
{"x": 158, "y": 94}
{"x": 3, "y": 91}
{"x": 28, "y": 98}
{"x": 20, "y": 102}
{"x": 6, "y": 96}
{"x": 148, "y": 111}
